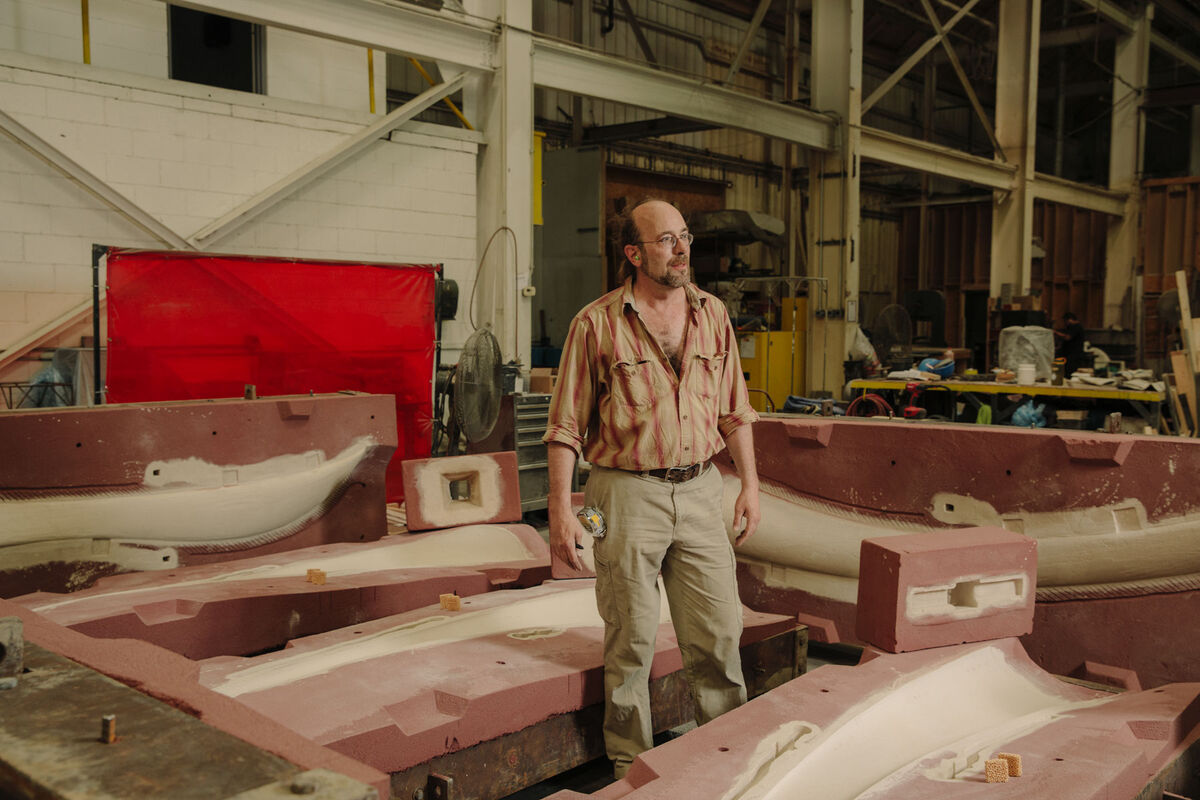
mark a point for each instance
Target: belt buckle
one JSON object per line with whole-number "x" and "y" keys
{"x": 680, "y": 474}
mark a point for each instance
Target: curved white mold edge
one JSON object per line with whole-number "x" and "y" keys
{"x": 548, "y": 614}
{"x": 1101, "y": 545}
{"x": 968, "y": 707}
{"x": 471, "y": 545}
{"x": 281, "y": 493}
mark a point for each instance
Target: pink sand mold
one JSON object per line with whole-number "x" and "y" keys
{"x": 397, "y": 692}
{"x": 1114, "y": 517}
{"x": 490, "y": 480}
{"x": 945, "y": 587}
{"x": 160, "y": 485}
{"x": 188, "y": 610}
{"x": 922, "y": 725}
{"x": 172, "y": 679}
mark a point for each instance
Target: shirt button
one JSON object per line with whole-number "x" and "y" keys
{"x": 684, "y": 416}
{"x": 687, "y": 447}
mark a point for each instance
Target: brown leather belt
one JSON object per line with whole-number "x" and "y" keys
{"x": 677, "y": 474}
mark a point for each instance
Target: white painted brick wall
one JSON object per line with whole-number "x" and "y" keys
{"x": 132, "y": 36}
{"x": 188, "y": 154}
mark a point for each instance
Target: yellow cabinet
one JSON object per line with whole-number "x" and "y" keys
{"x": 773, "y": 362}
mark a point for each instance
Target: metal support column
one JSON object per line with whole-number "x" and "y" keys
{"x": 1016, "y": 119}
{"x": 837, "y": 37}
{"x": 1131, "y": 66}
{"x": 505, "y": 183}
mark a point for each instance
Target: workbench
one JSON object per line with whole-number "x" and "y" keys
{"x": 1004, "y": 398}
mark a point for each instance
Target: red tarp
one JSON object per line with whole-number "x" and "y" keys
{"x": 185, "y": 326}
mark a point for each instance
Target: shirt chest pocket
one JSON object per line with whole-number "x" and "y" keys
{"x": 707, "y": 369}
{"x": 633, "y": 383}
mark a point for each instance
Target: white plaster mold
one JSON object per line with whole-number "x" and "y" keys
{"x": 546, "y": 614}
{"x": 459, "y": 547}
{"x": 814, "y": 547}
{"x": 189, "y": 503}
{"x": 967, "y": 706}
{"x": 967, "y": 597}
{"x": 485, "y": 493}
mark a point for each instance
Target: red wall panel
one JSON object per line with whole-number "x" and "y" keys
{"x": 192, "y": 326}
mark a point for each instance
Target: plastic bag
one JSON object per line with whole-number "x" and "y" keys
{"x": 1029, "y": 416}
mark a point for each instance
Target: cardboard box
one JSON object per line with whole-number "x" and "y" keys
{"x": 542, "y": 380}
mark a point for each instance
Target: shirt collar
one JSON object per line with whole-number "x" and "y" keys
{"x": 693, "y": 296}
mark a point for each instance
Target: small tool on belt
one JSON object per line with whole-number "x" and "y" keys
{"x": 592, "y": 521}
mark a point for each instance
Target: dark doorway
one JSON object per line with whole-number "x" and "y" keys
{"x": 975, "y": 322}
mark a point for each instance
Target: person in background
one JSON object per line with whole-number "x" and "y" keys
{"x": 1070, "y": 345}
{"x": 650, "y": 388}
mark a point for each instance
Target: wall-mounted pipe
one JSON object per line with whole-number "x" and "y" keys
{"x": 87, "y": 33}
{"x": 371, "y": 77}
{"x": 425, "y": 74}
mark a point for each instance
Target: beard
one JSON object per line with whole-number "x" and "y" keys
{"x": 670, "y": 278}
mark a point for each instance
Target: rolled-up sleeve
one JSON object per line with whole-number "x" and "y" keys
{"x": 736, "y": 410}
{"x": 574, "y": 395}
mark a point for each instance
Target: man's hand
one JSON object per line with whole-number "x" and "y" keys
{"x": 745, "y": 513}
{"x": 565, "y": 534}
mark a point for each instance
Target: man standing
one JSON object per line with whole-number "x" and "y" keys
{"x": 1071, "y": 346}
{"x": 650, "y": 388}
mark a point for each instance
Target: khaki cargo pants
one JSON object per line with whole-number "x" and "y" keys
{"x": 677, "y": 528}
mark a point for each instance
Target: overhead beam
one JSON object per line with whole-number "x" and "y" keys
{"x": 917, "y": 55}
{"x": 1112, "y": 12}
{"x": 1167, "y": 96}
{"x": 561, "y": 66}
{"x": 914, "y": 154}
{"x": 101, "y": 190}
{"x": 1077, "y": 34}
{"x": 1180, "y": 54}
{"x": 352, "y": 146}
{"x": 627, "y": 131}
{"x": 1128, "y": 22}
{"x": 1177, "y": 11}
{"x": 443, "y": 36}
{"x": 1079, "y": 195}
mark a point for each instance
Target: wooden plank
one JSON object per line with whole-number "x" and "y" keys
{"x": 50, "y": 741}
{"x": 1178, "y": 409}
{"x": 1185, "y": 316}
{"x": 1185, "y": 380}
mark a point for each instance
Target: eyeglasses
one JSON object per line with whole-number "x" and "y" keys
{"x": 670, "y": 239}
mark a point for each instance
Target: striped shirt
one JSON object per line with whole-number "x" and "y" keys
{"x": 620, "y": 403}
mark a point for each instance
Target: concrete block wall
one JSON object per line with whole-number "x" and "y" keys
{"x": 188, "y": 153}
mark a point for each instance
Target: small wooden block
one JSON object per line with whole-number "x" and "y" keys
{"x": 316, "y": 576}
{"x": 1014, "y": 763}
{"x": 996, "y": 770}
{"x": 450, "y": 602}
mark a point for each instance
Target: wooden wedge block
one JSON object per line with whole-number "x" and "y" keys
{"x": 1014, "y": 763}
